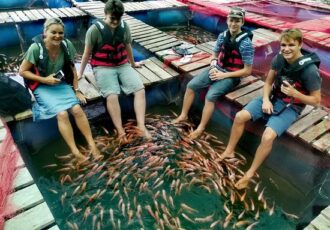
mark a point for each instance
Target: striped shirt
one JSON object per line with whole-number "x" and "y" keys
{"x": 246, "y": 49}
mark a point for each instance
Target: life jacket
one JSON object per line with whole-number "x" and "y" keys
{"x": 112, "y": 51}
{"x": 229, "y": 56}
{"x": 292, "y": 74}
{"x": 40, "y": 68}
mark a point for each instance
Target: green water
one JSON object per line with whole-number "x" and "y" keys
{"x": 278, "y": 190}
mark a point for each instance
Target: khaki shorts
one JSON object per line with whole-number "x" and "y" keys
{"x": 113, "y": 80}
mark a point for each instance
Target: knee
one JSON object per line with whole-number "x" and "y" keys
{"x": 210, "y": 97}
{"x": 268, "y": 136}
{"x": 242, "y": 116}
{"x": 62, "y": 116}
{"x": 77, "y": 111}
{"x": 112, "y": 98}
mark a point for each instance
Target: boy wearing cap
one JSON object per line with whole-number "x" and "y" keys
{"x": 109, "y": 43}
{"x": 296, "y": 81}
{"x": 232, "y": 59}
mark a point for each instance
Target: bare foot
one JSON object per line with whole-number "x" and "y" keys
{"x": 122, "y": 139}
{"x": 243, "y": 182}
{"x": 179, "y": 119}
{"x": 225, "y": 155}
{"x": 146, "y": 134}
{"x": 95, "y": 152}
{"x": 80, "y": 157}
{"x": 195, "y": 134}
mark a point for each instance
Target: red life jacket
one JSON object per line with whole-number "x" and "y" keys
{"x": 292, "y": 73}
{"x": 41, "y": 65}
{"x": 229, "y": 57}
{"x": 112, "y": 52}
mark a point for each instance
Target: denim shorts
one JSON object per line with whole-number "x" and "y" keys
{"x": 279, "y": 121}
{"x": 113, "y": 80}
{"x": 217, "y": 88}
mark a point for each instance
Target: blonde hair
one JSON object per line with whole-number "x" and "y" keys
{"x": 294, "y": 34}
{"x": 51, "y": 21}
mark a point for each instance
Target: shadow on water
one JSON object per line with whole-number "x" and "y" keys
{"x": 124, "y": 202}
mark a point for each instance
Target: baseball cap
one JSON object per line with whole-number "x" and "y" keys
{"x": 236, "y": 12}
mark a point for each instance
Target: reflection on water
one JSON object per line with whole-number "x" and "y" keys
{"x": 170, "y": 181}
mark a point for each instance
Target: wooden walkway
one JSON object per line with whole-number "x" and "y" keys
{"x": 321, "y": 222}
{"x": 96, "y": 8}
{"x": 28, "y": 210}
{"x": 21, "y": 16}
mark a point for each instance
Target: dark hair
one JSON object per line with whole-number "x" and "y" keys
{"x": 114, "y": 7}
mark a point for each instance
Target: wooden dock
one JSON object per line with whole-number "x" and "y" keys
{"x": 25, "y": 207}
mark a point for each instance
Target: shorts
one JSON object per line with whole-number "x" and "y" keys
{"x": 216, "y": 89}
{"x": 278, "y": 122}
{"x": 113, "y": 80}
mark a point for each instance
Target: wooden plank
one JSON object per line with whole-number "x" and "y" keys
{"x": 22, "y": 179}
{"x": 320, "y": 222}
{"x": 5, "y": 17}
{"x": 51, "y": 13}
{"x": 149, "y": 31}
{"x": 161, "y": 43}
{"x": 139, "y": 27}
{"x": 68, "y": 14}
{"x": 195, "y": 58}
{"x": 248, "y": 97}
{"x": 326, "y": 212}
{"x": 54, "y": 228}
{"x": 303, "y": 123}
{"x": 31, "y": 16}
{"x": 24, "y": 199}
{"x": 89, "y": 91}
{"x": 58, "y": 13}
{"x": 144, "y": 80}
{"x": 164, "y": 67}
{"x": 306, "y": 110}
{"x": 315, "y": 131}
{"x": 78, "y": 11}
{"x": 245, "y": 90}
{"x": 148, "y": 36}
{"x": 44, "y": 13}
{"x": 14, "y": 16}
{"x": 162, "y": 74}
{"x": 157, "y": 39}
{"x": 35, "y": 218}
{"x": 148, "y": 74}
{"x": 323, "y": 144}
{"x": 163, "y": 47}
{"x": 22, "y": 16}
{"x": 37, "y": 14}
{"x": 196, "y": 65}
{"x": 203, "y": 48}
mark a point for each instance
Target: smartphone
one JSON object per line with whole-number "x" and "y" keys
{"x": 59, "y": 75}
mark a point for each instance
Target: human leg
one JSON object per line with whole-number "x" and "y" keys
{"x": 66, "y": 131}
{"x": 131, "y": 83}
{"x": 236, "y": 133}
{"x": 83, "y": 125}
{"x": 114, "y": 111}
{"x": 140, "y": 108}
{"x": 262, "y": 152}
{"x": 217, "y": 89}
{"x": 196, "y": 84}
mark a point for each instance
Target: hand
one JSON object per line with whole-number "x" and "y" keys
{"x": 216, "y": 75}
{"x": 138, "y": 64}
{"x": 267, "y": 107}
{"x": 288, "y": 89}
{"x": 81, "y": 97}
{"x": 51, "y": 80}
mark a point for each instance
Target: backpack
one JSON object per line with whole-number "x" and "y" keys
{"x": 14, "y": 98}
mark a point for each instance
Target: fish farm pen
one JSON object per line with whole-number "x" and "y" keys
{"x": 169, "y": 181}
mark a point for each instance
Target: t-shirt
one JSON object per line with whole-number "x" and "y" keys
{"x": 309, "y": 78}
{"x": 246, "y": 48}
{"x": 53, "y": 66}
{"x": 94, "y": 36}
